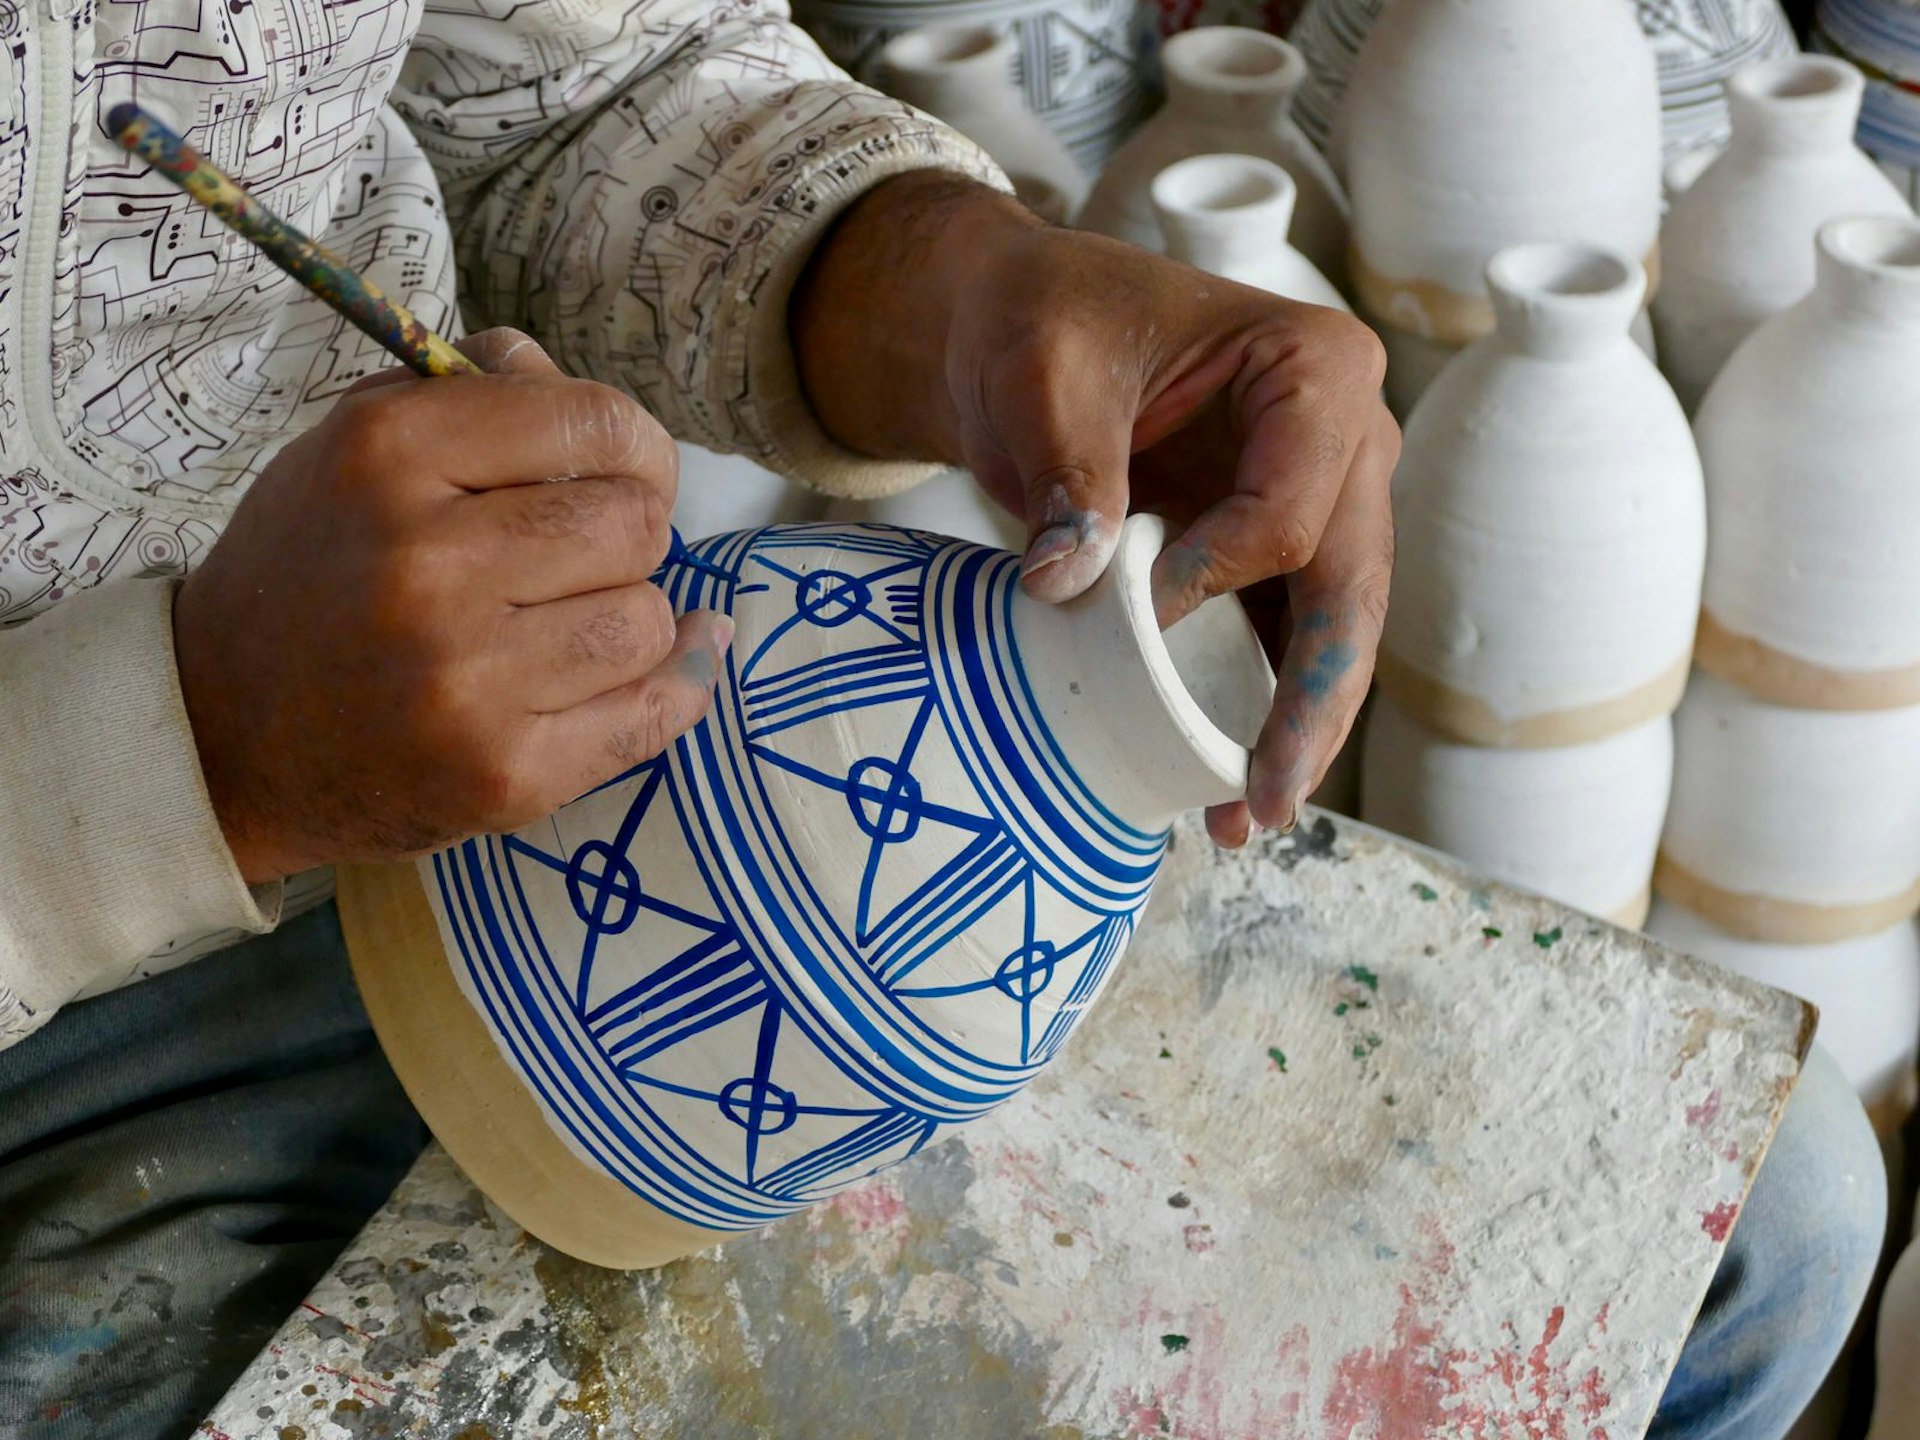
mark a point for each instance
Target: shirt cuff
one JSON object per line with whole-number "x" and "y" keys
{"x": 881, "y": 139}
{"x": 109, "y": 847}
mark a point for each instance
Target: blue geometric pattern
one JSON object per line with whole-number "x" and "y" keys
{"x": 868, "y": 897}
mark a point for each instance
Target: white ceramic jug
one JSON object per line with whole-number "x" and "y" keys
{"x": 1578, "y": 824}
{"x": 1229, "y": 91}
{"x": 1810, "y": 438}
{"x": 1737, "y": 246}
{"x": 963, "y": 74}
{"x": 1229, "y": 215}
{"x": 1551, "y": 520}
{"x": 1472, "y": 127}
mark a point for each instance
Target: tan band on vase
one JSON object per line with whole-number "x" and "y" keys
{"x": 1780, "y": 922}
{"x": 1633, "y": 914}
{"x": 1431, "y": 311}
{"x": 470, "y": 1097}
{"x": 1469, "y": 720}
{"x": 1783, "y": 679}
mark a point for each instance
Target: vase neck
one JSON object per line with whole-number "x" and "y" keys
{"x": 1563, "y": 301}
{"x": 1870, "y": 267}
{"x": 1153, "y": 725}
{"x": 933, "y": 67}
{"x": 1805, "y": 105}
{"x": 1224, "y": 213}
{"x": 1222, "y": 74}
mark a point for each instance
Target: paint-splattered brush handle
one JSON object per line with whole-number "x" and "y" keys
{"x": 334, "y": 281}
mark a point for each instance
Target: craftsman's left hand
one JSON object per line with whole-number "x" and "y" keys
{"x": 1079, "y": 378}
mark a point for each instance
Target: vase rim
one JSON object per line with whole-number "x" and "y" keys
{"x": 1217, "y": 185}
{"x": 934, "y": 48}
{"x": 1796, "y": 80}
{"x": 1556, "y": 299}
{"x": 1232, "y": 59}
{"x": 1886, "y": 246}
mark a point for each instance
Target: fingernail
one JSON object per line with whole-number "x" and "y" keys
{"x": 1255, "y": 829}
{"x": 1050, "y": 547}
{"x": 722, "y": 633}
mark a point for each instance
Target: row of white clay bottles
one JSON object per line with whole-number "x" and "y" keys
{"x": 1552, "y": 533}
{"x": 1794, "y": 834}
{"x": 1737, "y": 244}
{"x": 1472, "y": 127}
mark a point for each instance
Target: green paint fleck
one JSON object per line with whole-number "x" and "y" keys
{"x": 1279, "y": 1058}
{"x": 1165, "y": 1054}
{"x": 1492, "y": 932}
{"x": 1341, "y": 1008}
{"x": 1392, "y": 1099}
{"x": 1368, "y": 1044}
{"x": 1545, "y": 938}
{"x": 1425, "y": 892}
{"x": 1173, "y": 1344}
{"x": 1364, "y": 976}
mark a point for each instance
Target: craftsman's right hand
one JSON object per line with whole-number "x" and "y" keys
{"x": 431, "y": 618}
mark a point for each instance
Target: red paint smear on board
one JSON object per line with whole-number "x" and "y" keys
{"x": 1718, "y": 1222}
{"x": 1703, "y": 1115}
{"x": 1199, "y": 1238}
{"x": 874, "y": 1206}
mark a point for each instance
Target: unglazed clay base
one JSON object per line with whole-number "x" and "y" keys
{"x": 1783, "y": 679}
{"x": 1471, "y": 721}
{"x": 474, "y": 1104}
{"x": 1783, "y": 922}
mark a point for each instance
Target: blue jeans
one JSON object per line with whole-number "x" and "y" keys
{"x": 181, "y": 1160}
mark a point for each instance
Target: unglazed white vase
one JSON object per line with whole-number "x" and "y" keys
{"x": 1811, "y": 439}
{"x": 1479, "y": 124}
{"x": 1079, "y": 64}
{"x": 1881, "y": 37}
{"x": 1896, "y": 1397}
{"x": 1792, "y": 825}
{"x": 1699, "y": 44}
{"x": 1738, "y": 244}
{"x": 949, "y": 503}
{"x": 1551, "y": 520}
{"x": 964, "y": 75}
{"x": 730, "y": 492}
{"x": 1867, "y": 990}
{"x": 866, "y": 899}
{"x": 1228, "y": 214}
{"x": 1229, "y": 91}
{"x": 1578, "y": 824}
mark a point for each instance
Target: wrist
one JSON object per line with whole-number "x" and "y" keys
{"x": 871, "y": 317}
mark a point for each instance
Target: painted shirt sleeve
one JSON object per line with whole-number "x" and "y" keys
{"x": 109, "y": 847}
{"x": 639, "y": 186}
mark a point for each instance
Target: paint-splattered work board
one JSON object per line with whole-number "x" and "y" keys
{"x": 1355, "y": 1149}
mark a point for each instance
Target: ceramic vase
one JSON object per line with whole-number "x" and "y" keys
{"x": 1551, "y": 520}
{"x": 1809, "y": 439}
{"x": 1867, "y": 990}
{"x": 866, "y": 899}
{"x": 964, "y": 75}
{"x": 1228, "y": 215}
{"x": 719, "y": 493}
{"x": 950, "y": 503}
{"x": 1483, "y": 125}
{"x": 1896, "y": 1397}
{"x": 1578, "y": 824}
{"x": 1077, "y": 60}
{"x": 1792, "y": 825}
{"x": 1738, "y": 242}
{"x": 1229, "y": 91}
{"x": 1698, "y": 44}
{"x": 1882, "y": 38}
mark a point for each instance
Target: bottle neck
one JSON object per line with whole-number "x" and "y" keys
{"x": 1805, "y": 105}
{"x": 1869, "y": 267}
{"x": 1153, "y": 725}
{"x": 1563, "y": 301}
{"x": 942, "y": 67}
{"x": 1224, "y": 213}
{"x": 1225, "y": 75}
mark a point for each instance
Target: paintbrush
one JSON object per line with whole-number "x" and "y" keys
{"x": 325, "y": 274}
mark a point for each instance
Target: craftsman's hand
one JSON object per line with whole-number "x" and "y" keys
{"x": 431, "y": 617}
{"x": 1079, "y": 378}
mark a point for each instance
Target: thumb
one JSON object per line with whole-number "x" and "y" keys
{"x": 1067, "y": 448}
